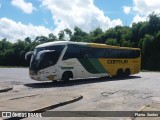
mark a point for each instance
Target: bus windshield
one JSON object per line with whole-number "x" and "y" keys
{"x": 45, "y": 60}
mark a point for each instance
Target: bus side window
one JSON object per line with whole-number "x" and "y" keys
{"x": 107, "y": 53}
{"x": 84, "y": 52}
{"x": 136, "y": 53}
{"x": 88, "y": 52}
{"x": 99, "y": 52}
{"x": 113, "y": 53}
{"x": 72, "y": 51}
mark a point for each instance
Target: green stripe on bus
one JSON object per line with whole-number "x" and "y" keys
{"x": 92, "y": 65}
{"x": 87, "y": 65}
{"x": 97, "y": 65}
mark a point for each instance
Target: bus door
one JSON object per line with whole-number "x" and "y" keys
{"x": 49, "y": 64}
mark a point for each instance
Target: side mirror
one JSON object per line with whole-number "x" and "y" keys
{"x": 43, "y": 52}
{"x": 28, "y": 54}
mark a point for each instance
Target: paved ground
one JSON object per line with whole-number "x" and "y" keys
{"x": 136, "y": 93}
{"x": 15, "y": 75}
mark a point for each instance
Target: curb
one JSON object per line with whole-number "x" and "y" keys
{"x": 44, "y": 109}
{"x": 75, "y": 99}
{"x": 6, "y": 89}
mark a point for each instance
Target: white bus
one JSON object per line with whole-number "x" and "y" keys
{"x": 64, "y": 60}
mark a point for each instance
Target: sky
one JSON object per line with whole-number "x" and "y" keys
{"x": 31, "y": 18}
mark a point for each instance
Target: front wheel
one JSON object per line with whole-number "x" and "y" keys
{"x": 66, "y": 76}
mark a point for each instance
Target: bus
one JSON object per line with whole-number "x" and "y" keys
{"x": 64, "y": 60}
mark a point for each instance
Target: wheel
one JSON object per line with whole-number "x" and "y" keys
{"x": 127, "y": 72}
{"x": 66, "y": 76}
{"x": 120, "y": 73}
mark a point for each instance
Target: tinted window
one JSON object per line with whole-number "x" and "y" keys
{"x": 49, "y": 59}
{"x": 87, "y": 52}
{"x": 99, "y": 52}
{"x": 136, "y": 53}
{"x": 92, "y": 52}
{"x": 120, "y": 53}
{"x": 57, "y": 49}
{"x": 73, "y": 51}
{"x": 46, "y": 59}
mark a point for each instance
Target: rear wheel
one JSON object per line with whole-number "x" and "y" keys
{"x": 120, "y": 73}
{"x": 127, "y": 72}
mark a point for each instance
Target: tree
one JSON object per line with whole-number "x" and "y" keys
{"x": 4, "y": 45}
{"x": 52, "y": 37}
{"x": 154, "y": 22}
{"x": 79, "y": 32}
{"x": 147, "y": 44}
{"x": 145, "y": 28}
{"x": 96, "y": 32}
{"x": 135, "y": 32}
{"x": 78, "y": 35}
{"x": 147, "y": 47}
{"x": 68, "y": 31}
{"x": 126, "y": 44}
{"x": 41, "y": 39}
{"x": 61, "y": 35}
{"x": 28, "y": 40}
{"x": 112, "y": 41}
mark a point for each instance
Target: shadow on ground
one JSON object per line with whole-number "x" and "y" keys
{"x": 77, "y": 82}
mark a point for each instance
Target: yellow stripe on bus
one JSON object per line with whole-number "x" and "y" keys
{"x": 112, "y": 65}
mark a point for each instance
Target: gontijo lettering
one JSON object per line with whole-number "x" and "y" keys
{"x": 117, "y": 61}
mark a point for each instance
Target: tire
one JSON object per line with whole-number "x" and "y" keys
{"x": 66, "y": 76}
{"x": 120, "y": 73}
{"x": 127, "y": 72}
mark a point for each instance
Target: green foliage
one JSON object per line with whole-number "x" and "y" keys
{"x": 68, "y": 31}
{"x": 112, "y": 41}
{"x": 147, "y": 44}
{"x": 144, "y": 35}
{"x": 61, "y": 35}
{"x": 28, "y": 40}
{"x": 96, "y": 32}
{"x": 154, "y": 22}
{"x": 78, "y": 35}
{"x": 5, "y": 45}
{"x": 127, "y": 44}
{"x": 52, "y": 37}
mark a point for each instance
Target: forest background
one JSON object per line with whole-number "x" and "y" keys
{"x": 143, "y": 35}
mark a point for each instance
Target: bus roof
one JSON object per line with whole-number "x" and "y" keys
{"x": 60, "y": 43}
{"x": 52, "y": 43}
{"x": 96, "y": 45}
